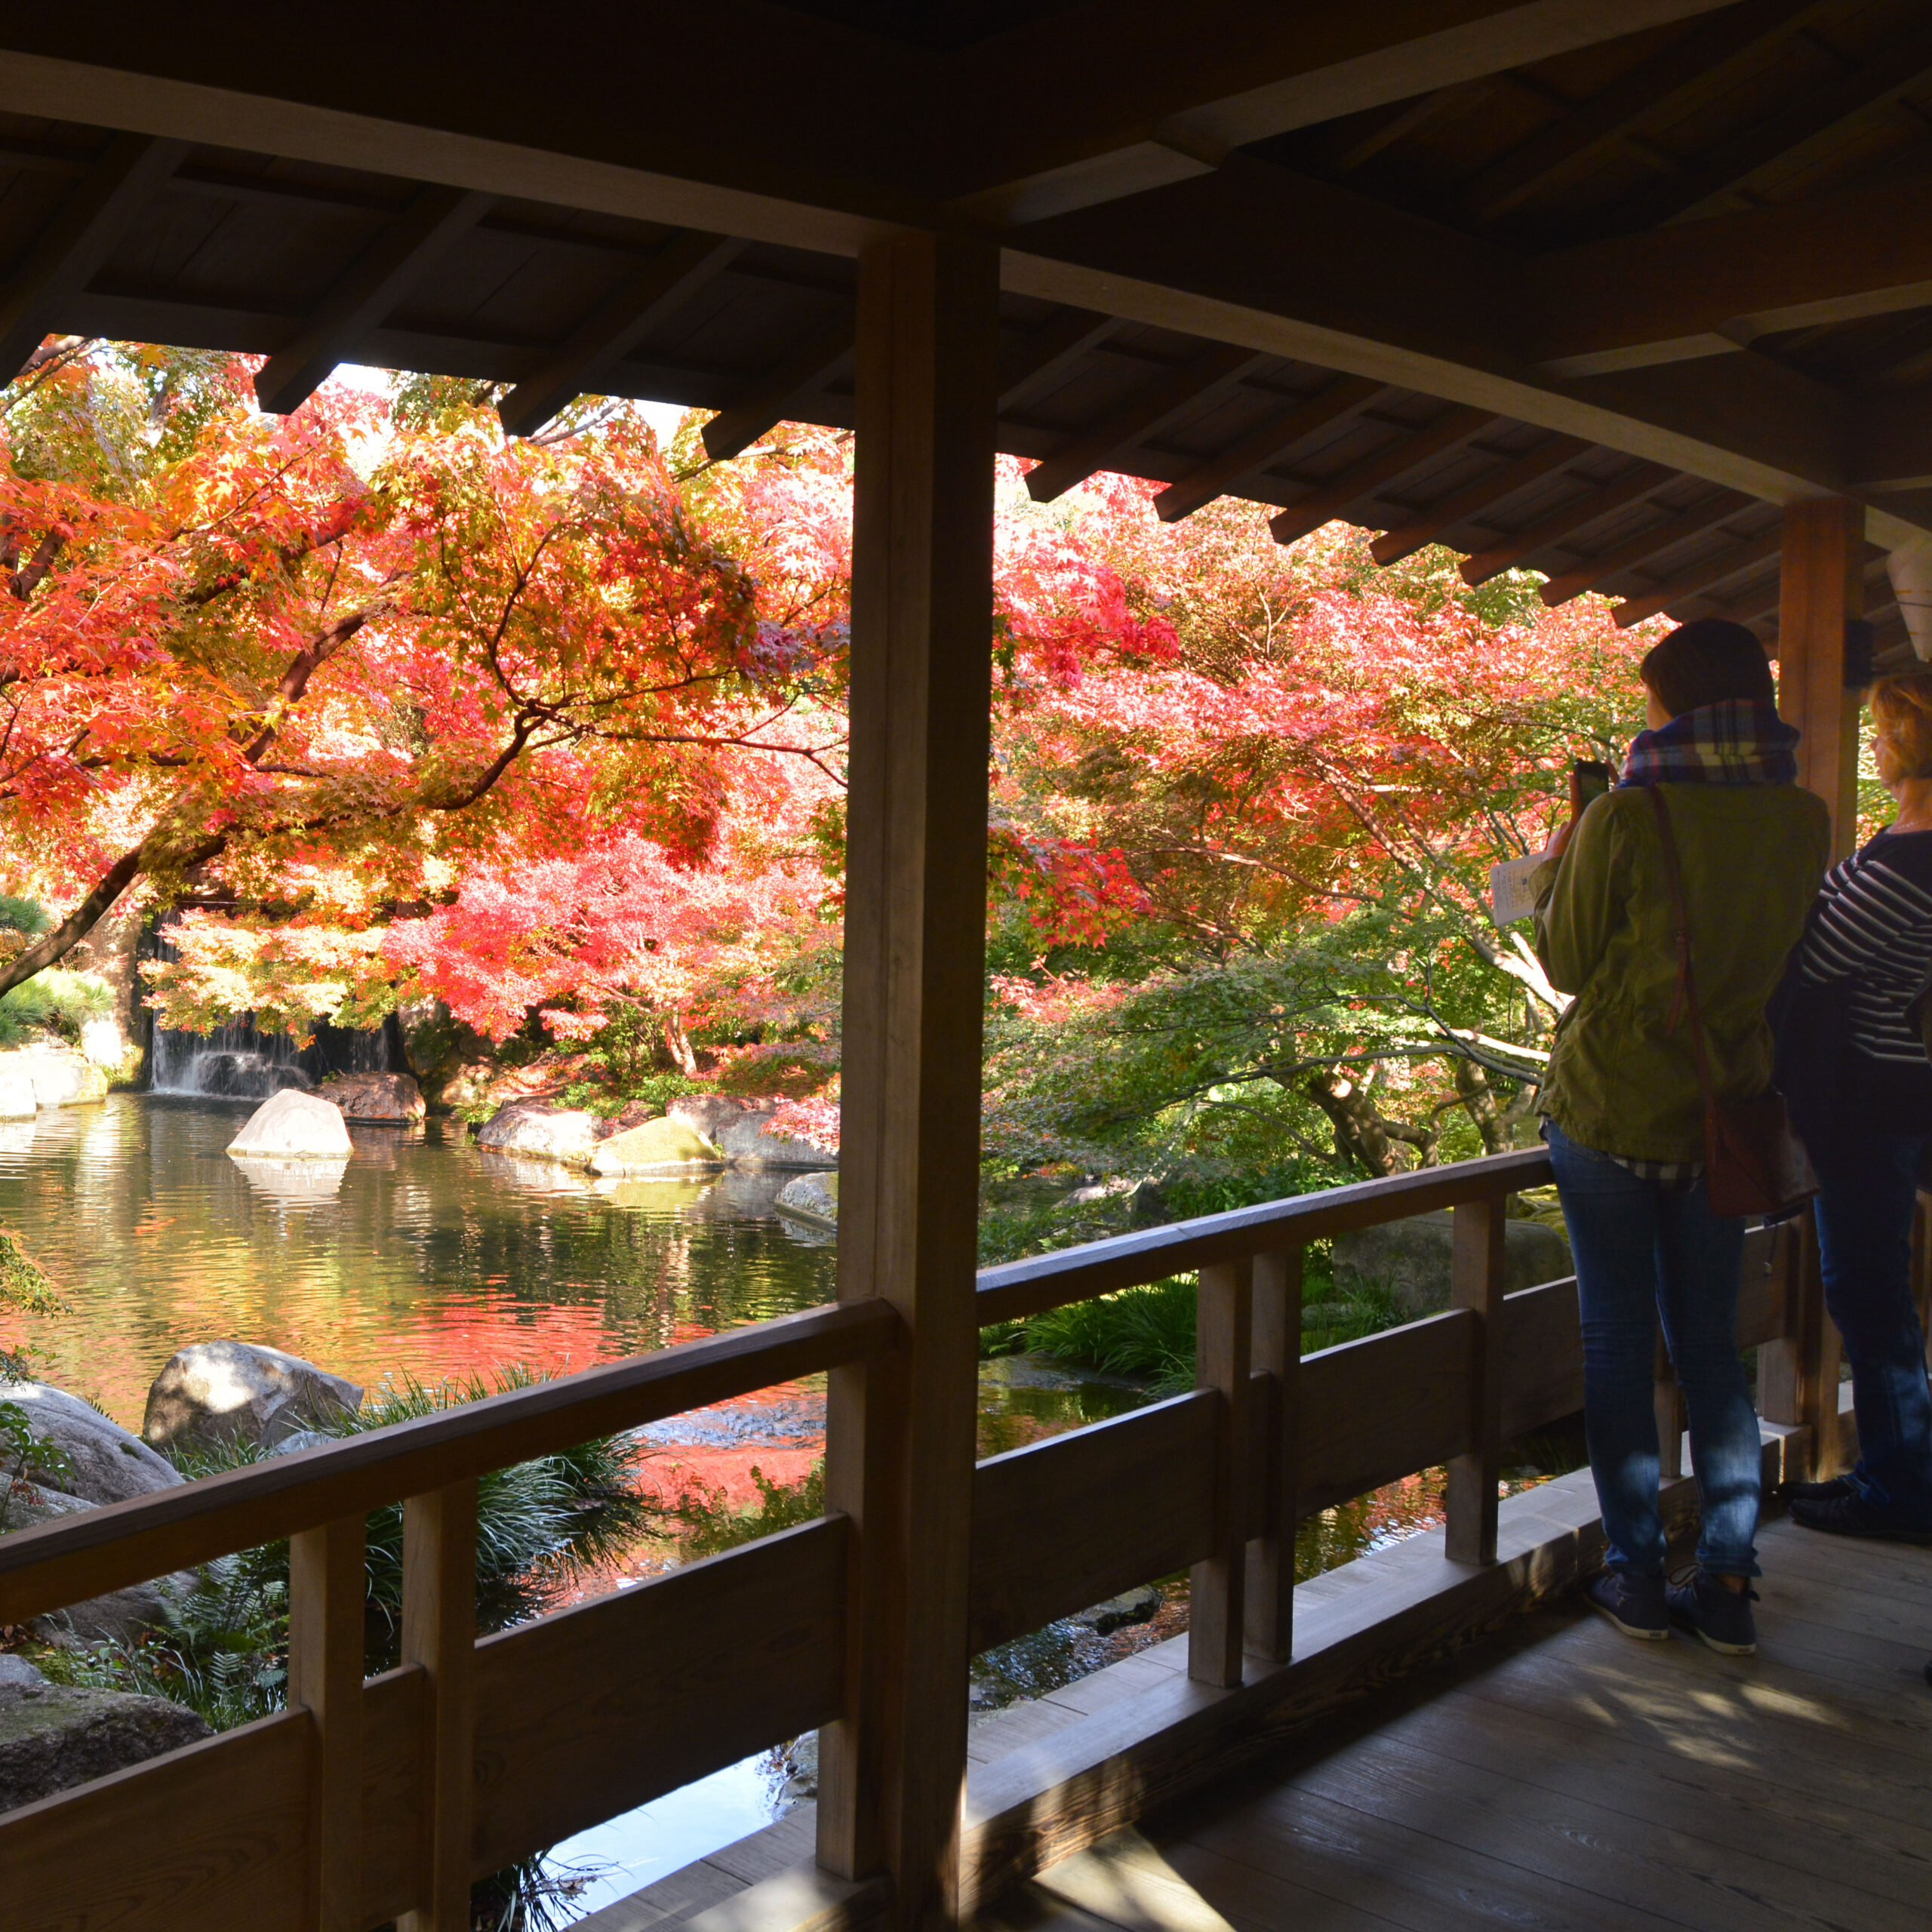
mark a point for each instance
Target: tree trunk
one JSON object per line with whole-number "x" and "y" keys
{"x": 1478, "y": 1099}
{"x": 1360, "y": 1134}
{"x": 678, "y": 1040}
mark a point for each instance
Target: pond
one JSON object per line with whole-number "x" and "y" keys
{"x": 426, "y": 1258}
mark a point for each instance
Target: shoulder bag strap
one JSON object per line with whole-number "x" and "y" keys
{"x": 1686, "y": 980}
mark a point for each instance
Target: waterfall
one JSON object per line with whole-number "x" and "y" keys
{"x": 238, "y": 1062}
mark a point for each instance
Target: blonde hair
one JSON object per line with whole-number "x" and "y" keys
{"x": 1902, "y": 708}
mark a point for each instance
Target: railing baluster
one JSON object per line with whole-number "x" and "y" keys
{"x": 1476, "y": 1282}
{"x": 1270, "y": 1579}
{"x": 326, "y": 1587}
{"x": 1216, "y": 1618}
{"x": 439, "y": 1633}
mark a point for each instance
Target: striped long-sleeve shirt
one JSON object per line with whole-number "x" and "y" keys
{"x": 1872, "y": 929}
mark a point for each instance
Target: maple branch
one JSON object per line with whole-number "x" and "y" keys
{"x": 294, "y": 680}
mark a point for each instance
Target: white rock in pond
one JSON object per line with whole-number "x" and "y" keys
{"x": 812, "y": 1198}
{"x": 294, "y": 1126}
{"x": 535, "y": 1131}
{"x": 667, "y": 1146}
{"x": 107, "y": 1464}
{"x": 103, "y": 1043}
{"x": 227, "y": 1391}
{"x": 61, "y": 1076}
{"x": 293, "y": 1183}
{"x": 16, "y": 1097}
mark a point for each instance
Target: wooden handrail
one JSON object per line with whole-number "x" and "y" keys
{"x": 62, "y": 1562}
{"x": 1023, "y": 1288}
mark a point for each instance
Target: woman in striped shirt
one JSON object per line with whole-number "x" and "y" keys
{"x": 1870, "y": 936}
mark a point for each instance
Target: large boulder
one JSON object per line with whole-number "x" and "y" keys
{"x": 292, "y": 1125}
{"x": 104, "y": 1464}
{"x": 104, "y": 1043}
{"x": 537, "y": 1130}
{"x": 212, "y": 1392}
{"x": 55, "y": 1736}
{"x": 119, "y": 1615}
{"x": 17, "y": 1094}
{"x": 812, "y": 1198}
{"x": 748, "y": 1140}
{"x": 711, "y": 1114}
{"x": 667, "y": 1146}
{"x": 394, "y": 1099}
{"x": 61, "y": 1076}
{"x": 1411, "y": 1260}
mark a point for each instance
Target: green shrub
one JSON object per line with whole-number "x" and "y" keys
{"x": 22, "y": 915}
{"x": 22, "y": 1284}
{"x": 53, "y": 1002}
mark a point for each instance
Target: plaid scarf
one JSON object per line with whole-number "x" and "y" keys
{"x": 1739, "y": 742}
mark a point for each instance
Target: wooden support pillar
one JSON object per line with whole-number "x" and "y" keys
{"x": 439, "y": 1633}
{"x": 1822, "y": 585}
{"x": 327, "y": 1585}
{"x": 1476, "y": 1281}
{"x": 900, "y": 1437}
{"x": 1217, "y": 1615}
{"x": 1271, "y": 1557}
{"x": 1798, "y": 1375}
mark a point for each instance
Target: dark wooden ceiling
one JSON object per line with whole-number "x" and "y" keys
{"x": 1599, "y": 173}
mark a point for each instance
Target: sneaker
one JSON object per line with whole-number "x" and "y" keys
{"x": 1850, "y": 1515}
{"x": 1820, "y": 1492}
{"x": 1634, "y": 1605}
{"x": 1706, "y": 1608}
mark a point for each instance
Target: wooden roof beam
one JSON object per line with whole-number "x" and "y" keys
{"x": 1712, "y": 287}
{"x": 1157, "y": 403}
{"x": 97, "y": 212}
{"x": 1576, "y": 138}
{"x": 1328, "y": 501}
{"x": 616, "y": 325}
{"x": 1824, "y": 107}
{"x": 1891, "y": 440}
{"x": 1154, "y": 106}
{"x": 1584, "y": 511}
{"x": 1720, "y": 569}
{"x": 1261, "y": 446}
{"x": 1392, "y": 545}
{"x": 1651, "y": 543}
{"x": 386, "y": 271}
{"x": 1034, "y": 359}
{"x": 765, "y": 401}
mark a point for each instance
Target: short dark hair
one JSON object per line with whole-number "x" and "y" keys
{"x": 1707, "y": 661}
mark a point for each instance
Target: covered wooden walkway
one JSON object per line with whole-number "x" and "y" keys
{"x": 1561, "y": 1777}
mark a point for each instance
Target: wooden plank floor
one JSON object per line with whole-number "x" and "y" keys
{"x": 1562, "y": 1778}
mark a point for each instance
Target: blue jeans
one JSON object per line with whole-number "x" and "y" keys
{"x": 1644, "y": 1250}
{"x": 1864, "y": 1211}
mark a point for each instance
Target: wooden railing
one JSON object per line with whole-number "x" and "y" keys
{"x": 366, "y": 1802}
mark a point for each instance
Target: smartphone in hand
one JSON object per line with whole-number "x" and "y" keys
{"x": 1589, "y": 778}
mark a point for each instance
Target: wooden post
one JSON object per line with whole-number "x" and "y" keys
{"x": 1798, "y": 1375}
{"x": 327, "y": 1588}
{"x": 1475, "y": 1281}
{"x": 1822, "y": 585}
{"x": 1270, "y": 1582}
{"x": 1217, "y": 1617}
{"x": 439, "y": 1633}
{"x": 901, "y": 1439}
{"x": 1921, "y": 1265}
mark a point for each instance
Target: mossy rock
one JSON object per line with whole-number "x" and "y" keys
{"x": 666, "y": 1147}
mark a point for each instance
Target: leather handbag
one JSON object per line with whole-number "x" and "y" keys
{"x": 1754, "y": 1164}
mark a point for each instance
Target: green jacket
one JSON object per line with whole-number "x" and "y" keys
{"x": 1620, "y": 1079}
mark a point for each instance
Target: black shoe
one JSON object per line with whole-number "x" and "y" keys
{"x": 1706, "y": 1608}
{"x": 1634, "y": 1605}
{"x": 1851, "y": 1515}
{"x": 1820, "y": 1492}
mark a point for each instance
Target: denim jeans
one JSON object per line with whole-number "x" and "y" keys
{"x": 1644, "y": 1250}
{"x": 1864, "y": 1211}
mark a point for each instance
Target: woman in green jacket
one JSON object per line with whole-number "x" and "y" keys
{"x": 1624, "y": 1116}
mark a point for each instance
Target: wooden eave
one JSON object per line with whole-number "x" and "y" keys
{"x": 1522, "y": 280}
